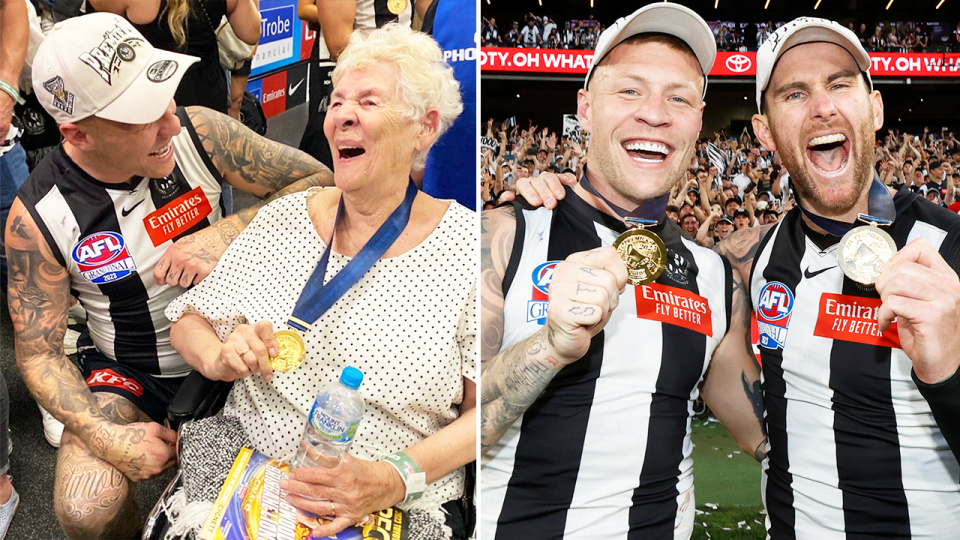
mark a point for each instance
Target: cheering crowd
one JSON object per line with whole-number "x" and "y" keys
{"x": 542, "y": 32}
{"x": 735, "y": 182}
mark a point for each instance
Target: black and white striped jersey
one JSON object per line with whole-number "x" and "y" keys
{"x": 373, "y": 14}
{"x": 109, "y": 238}
{"x": 854, "y": 451}
{"x": 605, "y": 451}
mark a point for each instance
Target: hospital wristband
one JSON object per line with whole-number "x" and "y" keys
{"x": 11, "y": 90}
{"x": 413, "y": 478}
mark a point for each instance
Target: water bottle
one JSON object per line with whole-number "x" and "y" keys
{"x": 333, "y": 422}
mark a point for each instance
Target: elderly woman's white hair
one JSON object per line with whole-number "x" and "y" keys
{"x": 426, "y": 80}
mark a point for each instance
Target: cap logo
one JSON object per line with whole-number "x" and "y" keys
{"x": 162, "y": 70}
{"x": 738, "y": 63}
{"x": 62, "y": 99}
{"x": 117, "y": 45}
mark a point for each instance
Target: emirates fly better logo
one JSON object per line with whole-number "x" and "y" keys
{"x": 738, "y": 63}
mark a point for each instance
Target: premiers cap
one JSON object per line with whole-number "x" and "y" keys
{"x": 806, "y": 30}
{"x": 100, "y": 65}
{"x": 664, "y": 18}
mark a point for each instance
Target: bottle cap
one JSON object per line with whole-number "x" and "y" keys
{"x": 351, "y": 377}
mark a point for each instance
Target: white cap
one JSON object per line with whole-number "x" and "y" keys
{"x": 806, "y": 30}
{"x": 664, "y": 18}
{"x": 99, "y": 64}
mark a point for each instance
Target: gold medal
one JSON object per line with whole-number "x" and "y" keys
{"x": 397, "y": 6}
{"x": 644, "y": 254}
{"x": 292, "y": 351}
{"x": 863, "y": 251}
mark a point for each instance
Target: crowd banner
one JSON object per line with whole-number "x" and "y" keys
{"x": 733, "y": 64}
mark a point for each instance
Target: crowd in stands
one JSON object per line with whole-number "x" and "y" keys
{"x": 735, "y": 183}
{"x": 542, "y": 32}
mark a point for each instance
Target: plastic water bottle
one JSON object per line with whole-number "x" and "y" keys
{"x": 333, "y": 422}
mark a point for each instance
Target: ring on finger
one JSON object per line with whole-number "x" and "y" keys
{"x": 333, "y": 509}
{"x": 240, "y": 354}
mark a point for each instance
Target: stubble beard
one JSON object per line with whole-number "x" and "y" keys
{"x": 808, "y": 190}
{"x": 612, "y": 174}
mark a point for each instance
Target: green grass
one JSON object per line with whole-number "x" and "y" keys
{"x": 729, "y": 481}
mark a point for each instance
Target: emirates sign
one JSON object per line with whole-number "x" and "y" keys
{"x": 741, "y": 64}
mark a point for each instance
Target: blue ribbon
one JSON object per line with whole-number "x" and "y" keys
{"x": 316, "y": 298}
{"x": 881, "y": 211}
{"x": 653, "y": 210}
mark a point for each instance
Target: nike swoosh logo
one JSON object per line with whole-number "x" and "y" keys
{"x": 126, "y": 212}
{"x": 810, "y": 275}
{"x": 295, "y": 87}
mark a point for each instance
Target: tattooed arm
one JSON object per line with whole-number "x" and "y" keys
{"x": 250, "y": 163}
{"x": 583, "y": 293}
{"x": 740, "y": 248}
{"x": 39, "y": 292}
{"x": 731, "y": 386}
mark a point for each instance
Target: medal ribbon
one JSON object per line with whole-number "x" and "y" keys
{"x": 652, "y": 210}
{"x": 881, "y": 208}
{"x": 316, "y": 298}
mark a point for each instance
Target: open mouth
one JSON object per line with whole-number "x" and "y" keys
{"x": 164, "y": 152}
{"x": 350, "y": 152}
{"x": 647, "y": 152}
{"x": 829, "y": 153}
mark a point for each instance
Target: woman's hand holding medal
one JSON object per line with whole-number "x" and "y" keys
{"x": 247, "y": 351}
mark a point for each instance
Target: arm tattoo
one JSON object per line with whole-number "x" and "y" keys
{"x": 741, "y": 247}
{"x": 755, "y": 395}
{"x": 39, "y": 300}
{"x": 497, "y": 231}
{"x": 510, "y": 382}
{"x": 18, "y": 228}
{"x": 250, "y": 162}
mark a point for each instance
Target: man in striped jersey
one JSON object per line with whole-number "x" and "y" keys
{"x": 862, "y": 411}
{"x": 587, "y": 386}
{"x": 124, "y": 215}
{"x": 860, "y": 382}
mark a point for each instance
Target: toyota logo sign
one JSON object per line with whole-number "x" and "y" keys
{"x": 738, "y": 63}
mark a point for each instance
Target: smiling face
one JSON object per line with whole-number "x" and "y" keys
{"x": 369, "y": 133}
{"x": 147, "y": 148}
{"x": 643, "y": 111}
{"x": 821, "y": 117}
{"x": 690, "y": 225}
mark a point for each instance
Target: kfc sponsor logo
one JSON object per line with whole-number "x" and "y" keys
{"x": 107, "y": 377}
{"x": 739, "y": 63}
{"x": 853, "y": 318}
{"x": 674, "y": 306}
{"x": 177, "y": 216}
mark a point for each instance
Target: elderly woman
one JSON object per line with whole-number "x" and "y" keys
{"x": 408, "y": 323}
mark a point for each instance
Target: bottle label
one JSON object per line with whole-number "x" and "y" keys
{"x": 331, "y": 428}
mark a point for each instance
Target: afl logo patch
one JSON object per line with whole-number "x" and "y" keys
{"x": 103, "y": 257}
{"x": 540, "y": 296}
{"x": 774, "y": 305}
{"x": 161, "y": 71}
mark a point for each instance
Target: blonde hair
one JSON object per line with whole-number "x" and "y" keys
{"x": 177, "y": 12}
{"x": 426, "y": 81}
